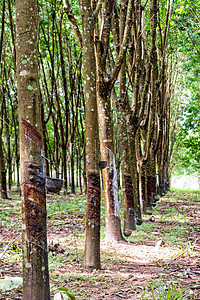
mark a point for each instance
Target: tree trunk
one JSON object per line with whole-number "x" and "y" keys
{"x": 126, "y": 161}
{"x": 34, "y": 232}
{"x": 92, "y": 242}
{"x": 151, "y": 181}
{"x": 122, "y": 105}
{"x": 109, "y": 174}
{"x": 9, "y": 156}
{"x": 134, "y": 171}
{"x": 4, "y": 194}
{"x": 143, "y": 188}
{"x": 2, "y": 161}
{"x": 44, "y": 137}
{"x": 72, "y": 168}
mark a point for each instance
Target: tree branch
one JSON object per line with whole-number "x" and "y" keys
{"x": 97, "y": 9}
{"x": 123, "y": 47}
{"x": 69, "y": 12}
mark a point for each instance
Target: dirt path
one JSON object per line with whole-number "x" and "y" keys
{"x": 127, "y": 269}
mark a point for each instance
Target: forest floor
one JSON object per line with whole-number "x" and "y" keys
{"x": 139, "y": 270}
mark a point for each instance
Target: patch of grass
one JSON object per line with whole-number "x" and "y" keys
{"x": 187, "y": 249}
{"x": 182, "y": 191}
{"x": 74, "y": 202}
{"x": 172, "y": 223}
{"x": 175, "y": 235}
{"x": 111, "y": 258}
{"x": 173, "y": 215}
{"x": 160, "y": 290}
{"x": 85, "y": 283}
{"x": 141, "y": 236}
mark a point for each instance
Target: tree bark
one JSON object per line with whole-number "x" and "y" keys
{"x": 122, "y": 106}
{"x": 34, "y": 232}
{"x": 4, "y": 194}
{"x": 113, "y": 221}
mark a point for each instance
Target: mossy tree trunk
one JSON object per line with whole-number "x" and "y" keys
{"x": 34, "y": 231}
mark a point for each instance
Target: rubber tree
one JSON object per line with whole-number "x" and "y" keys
{"x": 2, "y": 95}
{"x": 142, "y": 66}
{"x": 34, "y": 231}
{"x": 86, "y": 42}
{"x": 106, "y": 81}
{"x": 148, "y": 129}
{"x": 92, "y": 244}
{"x": 4, "y": 194}
{"x": 122, "y": 106}
{"x": 163, "y": 107}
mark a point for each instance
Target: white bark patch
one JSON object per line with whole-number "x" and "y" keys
{"x": 24, "y": 73}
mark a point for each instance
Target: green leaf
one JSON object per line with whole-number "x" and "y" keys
{"x": 71, "y": 296}
{"x": 65, "y": 290}
{"x": 24, "y": 61}
{"x": 62, "y": 288}
{"x": 30, "y": 88}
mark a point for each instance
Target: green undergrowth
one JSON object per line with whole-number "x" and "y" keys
{"x": 172, "y": 223}
{"x": 58, "y": 203}
{"x": 161, "y": 290}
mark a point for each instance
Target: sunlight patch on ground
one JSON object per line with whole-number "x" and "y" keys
{"x": 141, "y": 253}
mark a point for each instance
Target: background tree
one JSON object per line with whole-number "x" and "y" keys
{"x": 185, "y": 28}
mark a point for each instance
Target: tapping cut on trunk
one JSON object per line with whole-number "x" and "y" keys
{"x": 151, "y": 190}
{"x": 110, "y": 191}
{"x": 129, "y": 191}
{"x": 92, "y": 245}
{"x": 34, "y": 202}
{"x": 143, "y": 188}
{"x": 31, "y": 132}
{"x": 93, "y": 191}
{"x": 3, "y": 185}
{"x": 35, "y": 223}
{"x": 129, "y": 214}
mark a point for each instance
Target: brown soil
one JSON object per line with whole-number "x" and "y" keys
{"x": 126, "y": 267}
